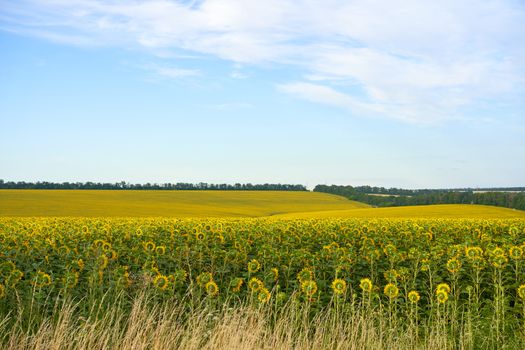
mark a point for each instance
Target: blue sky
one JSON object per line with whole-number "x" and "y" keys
{"x": 389, "y": 93}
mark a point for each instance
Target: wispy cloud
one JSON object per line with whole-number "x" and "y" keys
{"x": 410, "y": 60}
{"x": 410, "y": 113}
{"x": 173, "y": 72}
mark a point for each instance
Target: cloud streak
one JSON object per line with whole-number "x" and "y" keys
{"x": 408, "y": 60}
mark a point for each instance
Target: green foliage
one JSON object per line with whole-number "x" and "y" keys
{"x": 398, "y": 197}
{"x": 434, "y": 272}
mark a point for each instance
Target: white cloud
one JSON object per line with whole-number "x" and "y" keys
{"x": 413, "y": 113}
{"x": 319, "y": 93}
{"x": 410, "y": 60}
{"x": 172, "y": 72}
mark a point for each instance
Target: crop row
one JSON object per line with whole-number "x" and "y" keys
{"x": 421, "y": 262}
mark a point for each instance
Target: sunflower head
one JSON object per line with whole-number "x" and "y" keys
{"x": 453, "y": 265}
{"x": 149, "y": 246}
{"x": 339, "y": 286}
{"x": 473, "y": 253}
{"x": 200, "y": 236}
{"x": 443, "y": 287}
{"x": 309, "y": 287}
{"x": 499, "y": 261}
{"x": 366, "y": 285}
{"x": 413, "y": 296}
{"x": 253, "y": 266}
{"x": 6, "y": 267}
{"x": 236, "y": 284}
{"x": 41, "y": 279}
{"x": 212, "y": 289}
{"x": 390, "y": 250}
{"x": 442, "y": 296}
{"x": 515, "y": 253}
{"x": 304, "y": 275}
{"x": 160, "y": 250}
{"x": 106, "y": 246}
{"x": 97, "y": 244}
{"x": 161, "y": 282}
{"x": 498, "y": 251}
{"x": 521, "y": 291}
{"x": 263, "y": 295}
{"x": 391, "y": 291}
{"x": 255, "y": 284}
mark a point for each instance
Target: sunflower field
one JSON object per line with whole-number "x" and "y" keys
{"x": 456, "y": 272}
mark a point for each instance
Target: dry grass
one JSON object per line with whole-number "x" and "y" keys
{"x": 243, "y": 327}
{"x": 103, "y": 203}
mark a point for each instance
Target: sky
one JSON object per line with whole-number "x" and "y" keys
{"x": 393, "y": 93}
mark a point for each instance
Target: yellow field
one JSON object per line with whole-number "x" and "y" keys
{"x": 279, "y": 204}
{"x": 423, "y": 211}
{"x": 91, "y": 203}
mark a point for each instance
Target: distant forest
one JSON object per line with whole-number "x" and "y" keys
{"x": 44, "y": 185}
{"x": 510, "y": 197}
{"x": 381, "y": 197}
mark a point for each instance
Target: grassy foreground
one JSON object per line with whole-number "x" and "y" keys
{"x": 144, "y": 324}
{"x": 262, "y": 283}
{"x": 93, "y": 203}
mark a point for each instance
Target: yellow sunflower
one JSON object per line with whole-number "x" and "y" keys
{"x": 42, "y": 279}
{"x": 160, "y": 250}
{"x": 339, "y": 286}
{"x": 309, "y": 287}
{"x": 366, "y": 285}
{"x": 212, "y": 288}
{"x": 442, "y": 296}
{"x": 453, "y": 265}
{"x": 515, "y": 253}
{"x": 443, "y": 287}
{"x": 149, "y": 246}
{"x": 263, "y": 295}
{"x": 253, "y": 266}
{"x": 391, "y": 291}
{"x": 161, "y": 282}
{"x": 413, "y": 296}
{"x": 304, "y": 275}
{"x": 255, "y": 284}
{"x": 521, "y": 291}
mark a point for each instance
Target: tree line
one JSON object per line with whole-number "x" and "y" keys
{"x": 377, "y": 196}
{"x": 45, "y": 185}
{"x": 405, "y": 192}
{"x": 400, "y": 197}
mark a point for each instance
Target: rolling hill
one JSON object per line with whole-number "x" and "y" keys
{"x": 422, "y": 211}
{"x": 92, "y": 203}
